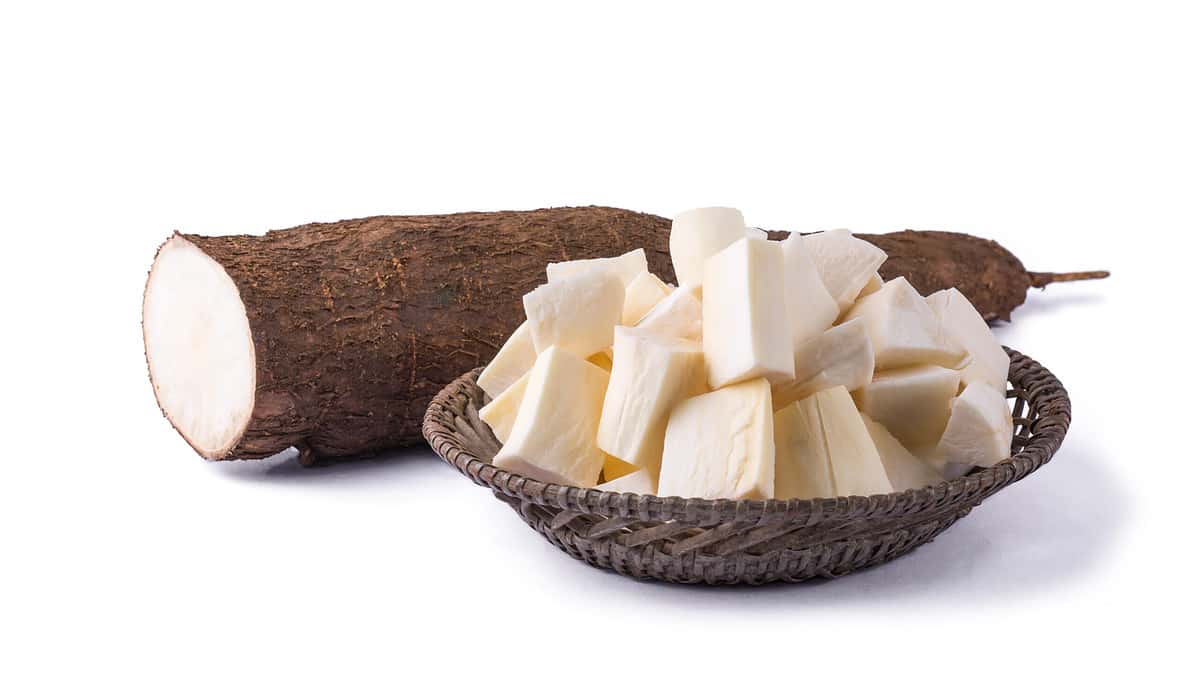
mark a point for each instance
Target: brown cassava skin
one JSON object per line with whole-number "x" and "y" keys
{"x": 358, "y": 324}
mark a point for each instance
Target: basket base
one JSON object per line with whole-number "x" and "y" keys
{"x": 658, "y": 560}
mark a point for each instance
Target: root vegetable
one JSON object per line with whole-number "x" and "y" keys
{"x": 333, "y": 337}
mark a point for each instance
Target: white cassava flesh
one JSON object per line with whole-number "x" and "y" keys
{"x": 576, "y": 313}
{"x": 502, "y": 411}
{"x": 746, "y": 331}
{"x": 961, "y": 323}
{"x": 700, "y": 233}
{"x": 845, "y": 262}
{"x": 810, "y": 308}
{"x": 913, "y": 403}
{"x": 677, "y": 315}
{"x": 650, "y": 375}
{"x": 199, "y": 348}
{"x": 841, "y": 356}
{"x": 904, "y": 330}
{"x": 980, "y": 429}
{"x": 626, "y": 267}
{"x": 514, "y": 359}
{"x": 802, "y": 468}
{"x": 553, "y": 437}
{"x": 721, "y": 445}
{"x": 905, "y": 470}
{"x": 853, "y": 459}
{"x": 641, "y": 295}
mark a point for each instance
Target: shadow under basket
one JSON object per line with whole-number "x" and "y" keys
{"x": 721, "y": 541}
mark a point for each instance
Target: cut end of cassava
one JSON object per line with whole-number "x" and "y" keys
{"x": 198, "y": 348}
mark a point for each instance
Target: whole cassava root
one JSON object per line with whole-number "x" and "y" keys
{"x": 352, "y": 327}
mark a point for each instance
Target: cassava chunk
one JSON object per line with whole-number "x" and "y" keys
{"x": 641, "y": 295}
{"x": 913, "y": 403}
{"x": 810, "y": 308}
{"x": 700, "y": 233}
{"x": 513, "y": 360}
{"x": 553, "y": 438}
{"x": 853, "y": 459}
{"x": 845, "y": 263}
{"x": 650, "y": 375}
{"x": 841, "y": 356}
{"x": 502, "y": 411}
{"x": 746, "y": 332}
{"x": 577, "y": 312}
{"x": 904, "y": 330}
{"x": 721, "y": 445}
{"x": 625, "y": 267}
{"x": 980, "y": 429}
{"x": 960, "y": 323}
{"x": 677, "y": 315}
{"x": 905, "y": 470}
{"x": 802, "y": 468}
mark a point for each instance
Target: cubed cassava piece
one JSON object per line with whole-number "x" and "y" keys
{"x": 514, "y": 359}
{"x": 650, "y": 376}
{"x": 677, "y": 315}
{"x": 904, "y": 330}
{"x": 698, "y": 234}
{"x": 913, "y": 403}
{"x": 841, "y": 356}
{"x": 553, "y": 437}
{"x": 746, "y": 329}
{"x": 721, "y": 445}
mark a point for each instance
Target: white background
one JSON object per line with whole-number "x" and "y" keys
{"x": 1068, "y": 131}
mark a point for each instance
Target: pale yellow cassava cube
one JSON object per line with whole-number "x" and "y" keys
{"x": 845, "y": 262}
{"x": 841, "y": 356}
{"x": 721, "y": 445}
{"x": 626, "y": 267}
{"x": 905, "y": 470}
{"x": 502, "y": 411}
{"x": 811, "y": 309}
{"x": 980, "y": 429}
{"x": 853, "y": 459}
{"x": 553, "y": 437}
{"x": 650, "y": 376}
{"x": 576, "y": 313}
{"x": 746, "y": 330}
{"x": 677, "y": 315}
{"x": 904, "y": 330}
{"x": 913, "y": 403}
{"x": 802, "y": 468}
{"x": 514, "y": 359}
{"x": 962, "y": 324}
{"x": 700, "y": 233}
{"x": 641, "y": 295}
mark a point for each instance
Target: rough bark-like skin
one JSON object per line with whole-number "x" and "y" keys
{"x": 357, "y": 324}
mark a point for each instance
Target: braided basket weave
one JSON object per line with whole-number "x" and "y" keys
{"x": 719, "y": 541}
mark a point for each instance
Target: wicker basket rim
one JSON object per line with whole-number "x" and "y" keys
{"x": 1047, "y": 399}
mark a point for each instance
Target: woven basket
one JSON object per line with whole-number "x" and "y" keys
{"x": 720, "y": 541}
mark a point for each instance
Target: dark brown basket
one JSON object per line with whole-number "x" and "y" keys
{"x": 720, "y": 541}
